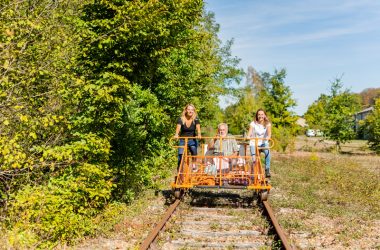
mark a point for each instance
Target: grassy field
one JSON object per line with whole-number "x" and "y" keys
{"x": 319, "y": 144}
{"x": 328, "y": 200}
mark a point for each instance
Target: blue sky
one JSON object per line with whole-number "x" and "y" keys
{"x": 315, "y": 41}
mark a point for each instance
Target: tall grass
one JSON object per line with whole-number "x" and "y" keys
{"x": 332, "y": 186}
{"x": 332, "y": 201}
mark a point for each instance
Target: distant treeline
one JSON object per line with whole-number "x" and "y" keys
{"x": 369, "y": 96}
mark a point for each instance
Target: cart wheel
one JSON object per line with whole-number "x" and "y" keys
{"x": 264, "y": 195}
{"x": 177, "y": 194}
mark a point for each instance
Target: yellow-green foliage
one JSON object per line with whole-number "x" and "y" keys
{"x": 283, "y": 139}
{"x": 89, "y": 95}
{"x": 277, "y": 99}
{"x": 242, "y": 113}
{"x": 62, "y": 210}
{"x": 334, "y": 113}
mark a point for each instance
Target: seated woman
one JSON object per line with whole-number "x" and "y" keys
{"x": 261, "y": 128}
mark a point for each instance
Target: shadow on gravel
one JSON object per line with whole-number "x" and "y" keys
{"x": 221, "y": 198}
{"x": 214, "y": 198}
{"x": 167, "y": 194}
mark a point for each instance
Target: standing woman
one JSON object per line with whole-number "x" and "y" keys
{"x": 188, "y": 125}
{"x": 261, "y": 128}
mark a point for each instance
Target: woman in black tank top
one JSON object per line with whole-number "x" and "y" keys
{"x": 188, "y": 125}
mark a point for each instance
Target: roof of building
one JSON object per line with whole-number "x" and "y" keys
{"x": 365, "y": 110}
{"x": 301, "y": 121}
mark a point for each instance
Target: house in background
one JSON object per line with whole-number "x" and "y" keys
{"x": 360, "y": 116}
{"x": 301, "y": 122}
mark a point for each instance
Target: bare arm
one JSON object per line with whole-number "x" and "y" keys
{"x": 177, "y": 129}
{"x": 211, "y": 144}
{"x": 250, "y": 131}
{"x": 198, "y": 127}
{"x": 269, "y": 131}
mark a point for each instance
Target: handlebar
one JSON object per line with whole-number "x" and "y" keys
{"x": 244, "y": 139}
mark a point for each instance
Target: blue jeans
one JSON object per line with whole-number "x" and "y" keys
{"x": 266, "y": 153}
{"x": 192, "y": 146}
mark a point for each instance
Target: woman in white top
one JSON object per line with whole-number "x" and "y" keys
{"x": 261, "y": 128}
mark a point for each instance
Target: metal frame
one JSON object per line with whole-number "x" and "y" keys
{"x": 194, "y": 171}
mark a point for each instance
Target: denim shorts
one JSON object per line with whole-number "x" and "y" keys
{"x": 192, "y": 145}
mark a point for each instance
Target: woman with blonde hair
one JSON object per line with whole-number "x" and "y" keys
{"x": 188, "y": 125}
{"x": 261, "y": 128}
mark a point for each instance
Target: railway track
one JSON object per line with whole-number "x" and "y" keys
{"x": 217, "y": 220}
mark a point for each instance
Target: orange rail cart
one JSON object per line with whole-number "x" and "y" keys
{"x": 211, "y": 169}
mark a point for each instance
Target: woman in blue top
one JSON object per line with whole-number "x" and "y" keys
{"x": 261, "y": 128}
{"x": 188, "y": 125}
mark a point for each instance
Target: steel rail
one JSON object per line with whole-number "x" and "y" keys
{"x": 277, "y": 226}
{"x": 154, "y": 233}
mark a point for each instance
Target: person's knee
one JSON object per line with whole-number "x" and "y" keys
{"x": 193, "y": 150}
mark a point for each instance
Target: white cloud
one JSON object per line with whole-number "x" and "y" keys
{"x": 265, "y": 42}
{"x": 314, "y": 40}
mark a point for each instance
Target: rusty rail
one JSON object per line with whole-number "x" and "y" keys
{"x": 277, "y": 226}
{"x": 154, "y": 233}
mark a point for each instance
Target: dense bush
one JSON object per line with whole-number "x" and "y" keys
{"x": 89, "y": 95}
{"x": 283, "y": 139}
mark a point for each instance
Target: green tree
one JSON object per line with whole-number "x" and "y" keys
{"x": 269, "y": 92}
{"x": 368, "y": 96}
{"x": 36, "y": 40}
{"x": 89, "y": 92}
{"x": 334, "y": 113}
{"x": 277, "y": 99}
{"x": 142, "y": 63}
{"x": 48, "y": 173}
{"x": 372, "y": 127}
{"x": 241, "y": 113}
{"x": 316, "y": 112}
